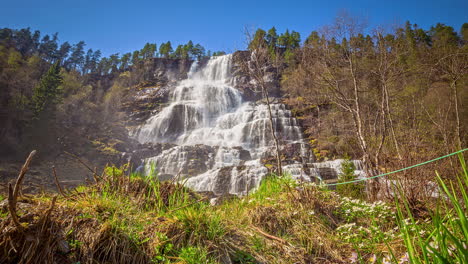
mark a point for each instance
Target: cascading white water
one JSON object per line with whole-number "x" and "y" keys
{"x": 196, "y": 103}
{"x": 219, "y": 140}
{"x": 206, "y": 109}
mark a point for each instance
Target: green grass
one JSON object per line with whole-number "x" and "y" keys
{"x": 177, "y": 225}
{"x": 447, "y": 239}
{"x": 195, "y": 255}
{"x": 201, "y": 224}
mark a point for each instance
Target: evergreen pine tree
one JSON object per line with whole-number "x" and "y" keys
{"x": 353, "y": 190}
{"x": 47, "y": 93}
{"x": 135, "y": 57}
{"x": 258, "y": 39}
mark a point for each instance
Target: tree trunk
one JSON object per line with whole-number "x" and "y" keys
{"x": 373, "y": 185}
{"x": 383, "y": 129}
{"x": 395, "y": 141}
{"x": 357, "y": 112}
{"x": 273, "y": 133}
{"x": 457, "y": 115}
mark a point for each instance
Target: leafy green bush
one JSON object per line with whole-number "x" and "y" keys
{"x": 354, "y": 190}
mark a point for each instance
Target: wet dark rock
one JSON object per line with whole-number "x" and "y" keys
{"x": 198, "y": 159}
{"x": 140, "y": 102}
{"x": 290, "y": 153}
{"x": 166, "y": 69}
{"x": 144, "y": 151}
{"x": 225, "y": 178}
{"x": 243, "y": 154}
{"x": 327, "y": 173}
{"x": 297, "y": 153}
{"x": 159, "y": 76}
{"x": 178, "y": 123}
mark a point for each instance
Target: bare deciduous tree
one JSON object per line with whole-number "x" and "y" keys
{"x": 257, "y": 67}
{"x": 338, "y": 70}
{"x": 453, "y": 67}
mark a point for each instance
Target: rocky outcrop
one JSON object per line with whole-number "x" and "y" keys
{"x": 158, "y": 76}
{"x": 143, "y": 151}
{"x": 291, "y": 153}
{"x": 248, "y": 87}
{"x": 165, "y": 69}
{"x": 141, "y": 102}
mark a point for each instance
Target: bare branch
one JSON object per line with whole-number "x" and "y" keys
{"x": 47, "y": 214}
{"x": 12, "y": 207}
{"x": 23, "y": 171}
{"x": 282, "y": 241}
{"x": 57, "y": 183}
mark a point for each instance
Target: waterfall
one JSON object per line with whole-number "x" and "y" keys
{"x": 196, "y": 103}
{"x": 218, "y": 140}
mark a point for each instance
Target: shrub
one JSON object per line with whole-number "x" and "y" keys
{"x": 353, "y": 190}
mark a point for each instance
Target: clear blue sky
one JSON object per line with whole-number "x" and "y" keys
{"x": 123, "y": 26}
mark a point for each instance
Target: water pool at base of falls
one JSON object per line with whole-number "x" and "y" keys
{"x": 217, "y": 140}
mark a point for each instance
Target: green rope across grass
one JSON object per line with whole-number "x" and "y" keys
{"x": 407, "y": 168}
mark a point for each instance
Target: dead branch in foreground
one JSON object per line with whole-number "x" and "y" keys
{"x": 14, "y": 192}
{"x": 23, "y": 171}
{"x": 282, "y": 241}
{"x": 57, "y": 183}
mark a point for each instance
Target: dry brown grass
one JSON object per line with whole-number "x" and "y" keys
{"x": 306, "y": 219}
{"x": 38, "y": 241}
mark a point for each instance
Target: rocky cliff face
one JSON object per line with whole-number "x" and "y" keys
{"x": 165, "y": 69}
{"x": 246, "y": 85}
{"x": 159, "y": 76}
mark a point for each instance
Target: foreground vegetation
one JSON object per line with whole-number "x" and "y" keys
{"x": 126, "y": 218}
